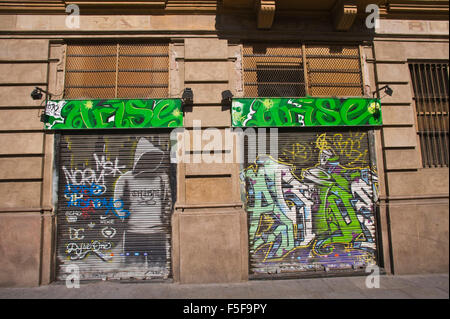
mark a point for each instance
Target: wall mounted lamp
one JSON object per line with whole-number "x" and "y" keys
{"x": 386, "y": 89}
{"x": 188, "y": 97}
{"x": 36, "y": 94}
{"x": 226, "y": 97}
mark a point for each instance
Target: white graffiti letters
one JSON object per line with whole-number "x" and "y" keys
{"x": 108, "y": 167}
{"x": 75, "y": 233}
{"x": 80, "y": 250}
{"x": 89, "y": 176}
{"x": 72, "y": 216}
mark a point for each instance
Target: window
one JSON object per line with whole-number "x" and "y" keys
{"x": 334, "y": 71}
{"x": 430, "y": 85}
{"x": 116, "y": 70}
{"x": 273, "y": 71}
{"x": 299, "y": 70}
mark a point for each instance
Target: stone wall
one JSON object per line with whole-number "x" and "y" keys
{"x": 414, "y": 200}
{"x": 209, "y": 224}
{"x": 25, "y": 219}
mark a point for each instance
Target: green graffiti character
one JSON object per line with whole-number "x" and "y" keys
{"x": 335, "y": 221}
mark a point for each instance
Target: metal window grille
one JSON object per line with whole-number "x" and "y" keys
{"x": 116, "y": 70}
{"x": 334, "y": 70}
{"x": 296, "y": 70}
{"x": 430, "y": 85}
{"x": 273, "y": 70}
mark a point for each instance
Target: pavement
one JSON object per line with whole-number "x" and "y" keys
{"x": 429, "y": 286}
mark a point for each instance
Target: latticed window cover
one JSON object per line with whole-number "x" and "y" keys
{"x": 117, "y": 70}
{"x": 294, "y": 70}
{"x": 430, "y": 84}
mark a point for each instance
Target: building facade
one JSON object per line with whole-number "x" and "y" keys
{"x": 222, "y": 141}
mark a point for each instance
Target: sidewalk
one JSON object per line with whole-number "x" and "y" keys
{"x": 433, "y": 286}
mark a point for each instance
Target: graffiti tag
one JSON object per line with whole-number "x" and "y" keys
{"x": 279, "y": 112}
{"x": 114, "y": 113}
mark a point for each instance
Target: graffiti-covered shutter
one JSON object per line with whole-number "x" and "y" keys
{"x": 312, "y": 205}
{"x": 115, "y": 196}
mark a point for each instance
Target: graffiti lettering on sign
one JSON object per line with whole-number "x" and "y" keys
{"x": 312, "y": 214}
{"x": 279, "y": 112}
{"x": 113, "y": 113}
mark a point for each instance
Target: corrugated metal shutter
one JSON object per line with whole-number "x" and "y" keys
{"x": 313, "y": 207}
{"x": 115, "y": 195}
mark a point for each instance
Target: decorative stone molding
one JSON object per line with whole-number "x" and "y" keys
{"x": 247, "y": 4}
{"x": 344, "y": 14}
{"x": 159, "y": 4}
{"x": 265, "y": 13}
{"x": 60, "y": 54}
{"x": 56, "y": 6}
{"x": 417, "y": 8}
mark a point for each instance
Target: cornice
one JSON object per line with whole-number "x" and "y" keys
{"x": 415, "y": 9}
{"x": 266, "y": 10}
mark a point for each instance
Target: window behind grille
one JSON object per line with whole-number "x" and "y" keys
{"x": 430, "y": 84}
{"x": 279, "y": 70}
{"x": 113, "y": 70}
{"x": 334, "y": 70}
{"x": 273, "y": 71}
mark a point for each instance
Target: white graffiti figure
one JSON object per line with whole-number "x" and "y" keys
{"x": 144, "y": 190}
{"x": 303, "y": 193}
{"x": 364, "y": 190}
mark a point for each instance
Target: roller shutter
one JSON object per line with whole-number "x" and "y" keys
{"x": 115, "y": 195}
{"x": 312, "y": 206}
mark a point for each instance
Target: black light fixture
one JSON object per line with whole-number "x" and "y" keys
{"x": 187, "y": 97}
{"x": 37, "y": 93}
{"x": 386, "y": 89}
{"x": 226, "y": 97}
{"x": 44, "y": 117}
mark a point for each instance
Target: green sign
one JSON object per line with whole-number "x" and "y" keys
{"x": 113, "y": 113}
{"x": 305, "y": 111}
